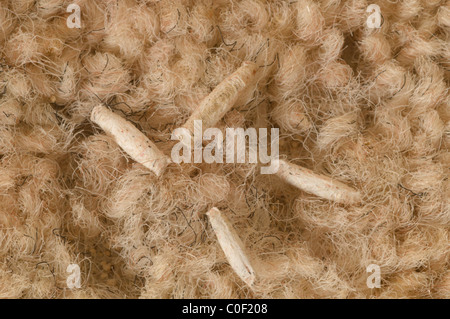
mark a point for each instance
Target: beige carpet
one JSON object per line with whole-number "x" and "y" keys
{"x": 366, "y": 106}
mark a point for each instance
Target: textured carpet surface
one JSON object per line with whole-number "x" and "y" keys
{"x": 367, "y": 106}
